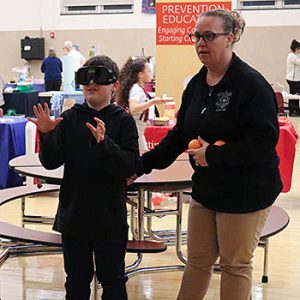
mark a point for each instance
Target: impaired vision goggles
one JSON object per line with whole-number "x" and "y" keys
{"x": 100, "y": 75}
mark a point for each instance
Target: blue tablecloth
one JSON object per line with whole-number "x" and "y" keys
{"x": 12, "y": 144}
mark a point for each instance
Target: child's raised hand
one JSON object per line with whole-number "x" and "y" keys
{"x": 98, "y": 131}
{"x": 43, "y": 120}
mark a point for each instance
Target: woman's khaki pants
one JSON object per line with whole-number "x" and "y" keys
{"x": 233, "y": 238}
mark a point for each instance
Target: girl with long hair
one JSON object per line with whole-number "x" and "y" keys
{"x": 132, "y": 96}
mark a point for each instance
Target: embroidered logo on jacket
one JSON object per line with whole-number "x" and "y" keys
{"x": 223, "y": 100}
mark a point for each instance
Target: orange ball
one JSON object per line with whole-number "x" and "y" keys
{"x": 194, "y": 144}
{"x": 219, "y": 143}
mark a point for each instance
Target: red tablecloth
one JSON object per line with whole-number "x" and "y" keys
{"x": 285, "y": 147}
{"x": 154, "y": 134}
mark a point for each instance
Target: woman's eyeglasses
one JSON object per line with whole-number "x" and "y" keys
{"x": 207, "y": 37}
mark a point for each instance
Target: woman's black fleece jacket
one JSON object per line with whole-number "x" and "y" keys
{"x": 242, "y": 176}
{"x": 92, "y": 199}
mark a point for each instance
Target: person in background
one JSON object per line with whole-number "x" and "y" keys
{"x": 78, "y": 58}
{"x": 132, "y": 96}
{"x": 293, "y": 76}
{"x": 97, "y": 142}
{"x": 52, "y": 68}
{"x": 234, "y": 185}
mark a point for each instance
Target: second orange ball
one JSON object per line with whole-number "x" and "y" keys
{"x": 219, "y": 143}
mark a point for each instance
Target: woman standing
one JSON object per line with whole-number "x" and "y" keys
{"x": 132, "y": 96}
{"x": 234, "y": 185}
{"x": 293, "y": 76}
{"x": 52, "y": 68}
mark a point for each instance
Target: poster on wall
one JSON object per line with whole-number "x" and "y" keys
{"x": 176, "y": 60}
{"x": 149, "y": 6}
{"x": 176, "y": 20}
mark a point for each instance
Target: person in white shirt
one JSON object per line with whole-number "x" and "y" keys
{"x": 72, "y": 61}
{"x": 132, "y": 96}
{"x": 293, "y": 76}
{"x": 79, "y": 59}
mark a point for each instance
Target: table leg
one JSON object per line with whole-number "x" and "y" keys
{"x": 140, "y": 213}
{"x": 179, "y": 228}
{"x": 133, "y": 269}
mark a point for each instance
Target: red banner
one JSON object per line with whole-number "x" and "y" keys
{"x": 175, "y": 21}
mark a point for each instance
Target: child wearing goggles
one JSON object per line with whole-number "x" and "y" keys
{"x": 97, "y": 142}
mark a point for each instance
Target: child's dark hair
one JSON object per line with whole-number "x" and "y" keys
{"x": 128, "y": 77}
{"x": 295, "y": 45}
{"x": 103, "y": 60}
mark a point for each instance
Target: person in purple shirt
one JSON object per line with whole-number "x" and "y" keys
{"x": 52, "y": 68}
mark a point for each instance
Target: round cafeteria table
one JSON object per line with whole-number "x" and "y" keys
{"x": 176, "y": 177}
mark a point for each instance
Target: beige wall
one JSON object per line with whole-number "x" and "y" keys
{"x": 265, "y": 48}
